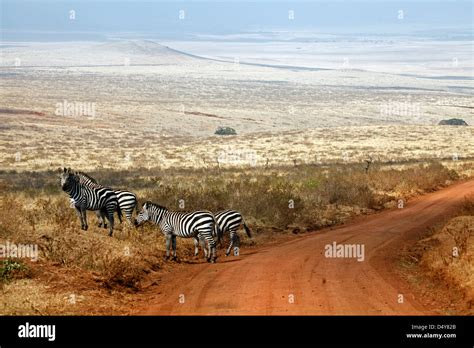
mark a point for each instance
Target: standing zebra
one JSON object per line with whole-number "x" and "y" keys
{"x": 227, "y": 221}
{"x": 127, "y": 200}
{"x": 89, "y": 198}
{"x": 180, "y": 224}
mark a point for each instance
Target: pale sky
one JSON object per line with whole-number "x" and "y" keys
{"x": 162, "y": 18}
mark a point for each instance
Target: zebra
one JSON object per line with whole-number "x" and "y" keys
{"x": 227, "y": 221}
{"x": 127, "y": 200}
{"x": 89, "y": 198}
{"x": 180, "y": 224}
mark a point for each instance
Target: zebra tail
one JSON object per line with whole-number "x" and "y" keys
{"x": 119, "y": 213}
{"x": 217, "y": 231}
{"x": 247, "y": 230}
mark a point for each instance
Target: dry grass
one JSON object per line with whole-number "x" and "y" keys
{"x": 445, "y": 260}
{"x": 29, "y": 142}
{"x": 59, "y": 296}
{"x": 273, "y": 201}
{"x": 451, "y": 259}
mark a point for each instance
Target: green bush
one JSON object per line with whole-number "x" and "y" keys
{"x": 225, "y": 131}
{"x": 8, "y": 268}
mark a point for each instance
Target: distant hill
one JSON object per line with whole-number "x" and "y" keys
{"x": 453, "y": 122}
{"x": 136, "y": 47}
{"x": 93, "y": 54}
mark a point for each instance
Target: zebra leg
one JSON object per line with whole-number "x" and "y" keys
{"x": 237, "y": 244}
{"x": 212, "y": 246}
{"x": 173, "y": 244}
{"x": 212, "y": 251}
{"x": 119, "y": 213}
{"x": 84, "y": 217}
{"x": 79, "y": 214}
{"x": 110, "y": 216}
{"x": 103, "y": 216}
{"x": 237, "y": 240}
{"x": 196, "y": 245}
{"x": 231, "y": 244}
{"x": 204, "y": 247}
{"x": 128, "y": 215}
{"x": 99, "y": 217}
{"x": 98, "y": 213}
{"x": 168, "y": 244}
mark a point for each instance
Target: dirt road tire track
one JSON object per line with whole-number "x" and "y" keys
{"x": 266, "y": 280}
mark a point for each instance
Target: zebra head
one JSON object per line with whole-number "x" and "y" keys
{"x": 150, "y": 212}
{"x": 67, "y": 179}
{"x": 143, "y": 215}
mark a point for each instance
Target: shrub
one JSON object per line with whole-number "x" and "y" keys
{"x": 125, "y": 273}
{"x": 453, "y": 122}
{"x": 347, "y": 189}
{"x": 467, "y": 206}
{"x": 8, "y": 268}
{"x": 225, "y": 131}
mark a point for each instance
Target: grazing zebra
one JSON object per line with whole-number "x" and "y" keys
{"x": 89, "y": 198}
{"x": 180, "y": 224}
{"x": 230, "y": 221}
{"x": 227, "y": 221}
{"x": 127, "y": 200}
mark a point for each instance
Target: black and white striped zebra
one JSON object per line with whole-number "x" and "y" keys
{"x": 89, "y": 198}
{"x": 180, "y": 224}
{"x": 127, "y": 200}
{"x": 228, "y": 221}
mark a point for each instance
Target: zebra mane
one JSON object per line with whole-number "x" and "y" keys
{"x": 155, "y": 205}
{"x": 87, "y": 177}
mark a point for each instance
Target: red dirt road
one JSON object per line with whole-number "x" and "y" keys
{"x": 264, "y": 281}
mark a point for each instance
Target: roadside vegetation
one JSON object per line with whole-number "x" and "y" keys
{"x": 441, "y": 264}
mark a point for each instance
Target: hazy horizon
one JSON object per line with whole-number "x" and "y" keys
{"x": 103, "y": 20}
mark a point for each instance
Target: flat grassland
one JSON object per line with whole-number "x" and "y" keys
{"x": 45, "y": 142}
{"x": 155, "y": 106}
